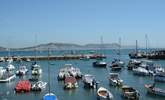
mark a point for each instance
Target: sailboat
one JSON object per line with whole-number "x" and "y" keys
{"x": 100, "y": 62}
{"x": 49, "y": 95}
{"x": 117, "y": 63}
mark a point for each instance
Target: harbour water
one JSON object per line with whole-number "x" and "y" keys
{"x": 101, "y": 74}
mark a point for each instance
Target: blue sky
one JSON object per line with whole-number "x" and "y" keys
{"x": 81, "y": 21}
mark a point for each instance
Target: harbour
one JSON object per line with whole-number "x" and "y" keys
{"x": 101, "y": 74}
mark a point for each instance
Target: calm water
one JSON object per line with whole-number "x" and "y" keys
{"x": 101, "y": 74}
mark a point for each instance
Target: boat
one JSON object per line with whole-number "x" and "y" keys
{"x": 23, "y": 86}
{"x": 49, "y": 95}
{"x": 36, "y": 69}
{"x": 7, "y": 78}
{"x": 69, "y": 70}
{"x": 89, "y": 81}
{"x": 118, "y": 62}
{"x": 70, "y": 82}
{"x": 22, "y": 70}
{"x": 2, "y": 72}
{"x": 152, "y": 89}
{"x": 99, "y": 63}
{"x": 115, "y": 67}
{"x": 133, "y": 63}
{"x": 38, "y": 86}
{"x": 140, "y": 71}
{"x": 104, "y": 94}
{"x": 130, "y": 93}
{"x": 159, "y": 77}
{"x": 115, "y": 80}
{"x": 10, "y": 67}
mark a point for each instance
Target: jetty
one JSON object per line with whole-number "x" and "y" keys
{"x": 57, "y": 57}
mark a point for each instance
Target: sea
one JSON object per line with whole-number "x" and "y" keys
{"x": 7, "y": 91}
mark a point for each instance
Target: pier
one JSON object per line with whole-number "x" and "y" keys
{"x": 59, "y": 57}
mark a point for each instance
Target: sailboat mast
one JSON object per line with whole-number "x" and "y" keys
{"x": 146, "y": 37}
{"x": 136, "y": 46}
{"x": 35, "y": 48}
{"x": 119, "y": 47}
{"x": 49, "y": 68}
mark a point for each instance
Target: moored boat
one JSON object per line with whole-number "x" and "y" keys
{"x": 38, "y": 86}
{"x": 89, "y": 81}
{"x": 115, "y": 80}
{"x": 70, "y": 82}
{"x": 23, "y": 86}
{"x": 99, "y": 63}
{"x": 104, "y": 94}
{"x": 7, "y": 78}
{"x": 160, "y": 77}
{"x": 22, "y": 70}
{"x": 50, "y": 96}
{"x": 140, "y": 71}
{"x": 130, "y": 93}
{"x": 152, "y": 89}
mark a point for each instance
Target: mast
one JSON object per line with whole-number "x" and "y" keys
{"x": 136, "y": 46}
{"x": 35, "y": 50}
{"x": 101, "y": 45}
{"x": 146, "y": 37}
{"x": 49, "y": 69}
{"x": 119, "y": 53}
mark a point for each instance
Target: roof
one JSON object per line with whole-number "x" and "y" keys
{"x": 70, "y": 80}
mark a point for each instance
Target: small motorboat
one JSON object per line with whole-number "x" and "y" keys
{"x": 152, "y": 89}
{"x": 10, "y": 67}
{"x": 140, "y": 71}
{"x": 115, "y": 67}
{"x": 23, "y": 86}
{"x": 36, "y": 69}
{"x": 130, "y": 93}
{"x": 38, "y": 86}
{"x": 89, "y": 81}
{"x": 22, "y": 70}
{"x": 70, "y": 82}
{"x": 159, "y": 77}
{"x": 50, "y": 96}
{"x": 104, "y": 94}
{"x": 99, "y": 63}
{"x": 115, "y": 80}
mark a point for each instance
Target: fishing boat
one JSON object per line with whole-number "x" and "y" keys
{"x": 49, "y": 95}
{"x": 130, "y": 93}
{"x": 22, "y": 70}
{"x": 89, "y": 81}
{"x": 23, "y": 86}
{"x": 140, "y": 71}
{"x": 99, "y": 63}
{"x": 104, "y": 94}
{"x": 70, "y": 82}
{"x": 38, "y": 86}
{"x": 159, "y": 77}
{"x": 152, "y": 89}
{"x": 115, "y": 80}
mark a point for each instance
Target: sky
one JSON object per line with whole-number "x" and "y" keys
{"x": 81, "y": 22}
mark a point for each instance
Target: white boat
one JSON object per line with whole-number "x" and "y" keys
{"x": 89, "y": 81}
{"x": 152, "y": 89}
{"x": 10, "y": 67}
{"x": 2, "y": 72}
{"x": 115, "y": 80}
{"x": 38, "y": 86}
{"x": 140, "y": 71}
{"x": 22, "y": 70}
{"x": 37, "y": 71}
{"x": 104, "y": 94}
{"x": 130, "y": 93}
{"x": 6, "y": 78}
{"x": 99, "y": 63}
{"x": 160, "y": 77}
{"x": 69, "y": 70}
